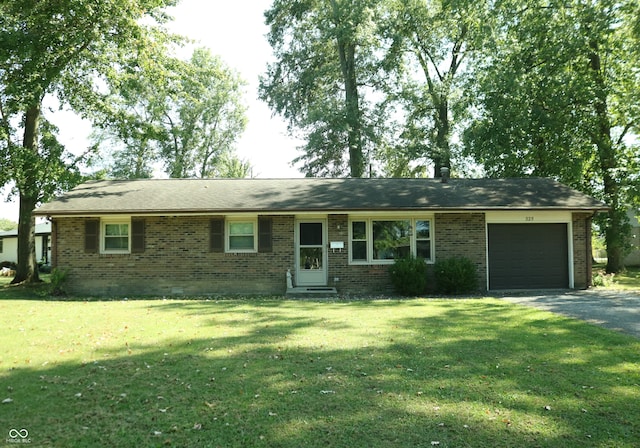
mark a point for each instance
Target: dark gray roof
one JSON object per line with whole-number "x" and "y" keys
{"x": 187, "y": 196}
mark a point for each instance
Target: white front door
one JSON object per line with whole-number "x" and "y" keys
{"x": 311, "y": 263}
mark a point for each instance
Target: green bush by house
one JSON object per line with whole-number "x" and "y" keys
{"x": 409, "y": 276}
{"x": 457, "y": 275}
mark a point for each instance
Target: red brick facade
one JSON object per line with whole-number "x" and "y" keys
{"x": 177, "y": 259}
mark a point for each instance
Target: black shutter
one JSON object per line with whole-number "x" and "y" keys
{"x": 137, "y": 235}
{"x": 91, "y": 236}
{"x": 265, "y": 234}
{"x": 216, "y": 235}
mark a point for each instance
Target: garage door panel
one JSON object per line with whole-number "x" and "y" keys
{"x": 525, "y": 256}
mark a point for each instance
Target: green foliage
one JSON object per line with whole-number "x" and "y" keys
{"x": 457, "y": 275}
{"x": 57, "y": 280}
{"x": 556, "y": 95}
{"x": 186, "y": 114}
{"x": 430, "y": 42}
{"x": 409, "y": 276}
{"x": 63, "y": 50}
{"x": 327, "y": 54}
{"x": 602, "y": 279}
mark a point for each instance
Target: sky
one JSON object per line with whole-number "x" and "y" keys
{"x": 235, "y": 31}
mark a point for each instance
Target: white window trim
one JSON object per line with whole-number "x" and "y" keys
{"x": 103, "y": 234}
{"x": 369, "y": 240}
{"x": 227, "y": 235}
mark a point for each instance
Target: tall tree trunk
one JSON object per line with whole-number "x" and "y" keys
{"x": 347, "y": 54}
{"x": 27, "y": 270}
{"x": 442, "y": 153}
{"x": 615, "y": 233}
{"x": 352, "y": 106}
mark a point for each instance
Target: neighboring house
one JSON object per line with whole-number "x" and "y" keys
{"x": 225, "y": 236}
{"x": 9, "y": 244}
{"x": 633, "y": 258}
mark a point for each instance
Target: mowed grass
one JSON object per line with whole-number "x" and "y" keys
{"x": 280, "y": 373}
{"x": 628, "y": 280}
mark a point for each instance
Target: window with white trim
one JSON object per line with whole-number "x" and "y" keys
{"x": 241, "y": 236}
{"x": 380, "y": 241}
{"x": 115, "y": 237}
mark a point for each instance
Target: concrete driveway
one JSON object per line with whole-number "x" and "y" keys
{"x": 617, "y": 310}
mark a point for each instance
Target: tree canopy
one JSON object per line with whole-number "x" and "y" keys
{"x": 519, "y": 88}
{"x": 557, "y": 96}
{"x": 326, "y": 60}
{"x": 59, "y": 49}
{"x": 185, "y": 115}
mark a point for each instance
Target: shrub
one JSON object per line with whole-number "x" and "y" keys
{"x": 409, "y": 276}
{"x": 58, "y": 279}
{"x": 601, "y": 278}
{"x": 455, "y": 276}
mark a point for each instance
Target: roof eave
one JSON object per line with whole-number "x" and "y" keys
{"x": 194, "y": 212}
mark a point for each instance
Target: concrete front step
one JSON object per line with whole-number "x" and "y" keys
{"x": 312, "y": 291}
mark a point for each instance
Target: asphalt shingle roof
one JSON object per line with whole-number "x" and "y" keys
{"x": 187, "y": 196}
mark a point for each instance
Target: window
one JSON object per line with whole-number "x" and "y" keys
{"x": 242, "y": 236}
{"x": 359, "y": 241}
{"x": 391, "y": 239}
{"x": 423, "y": 239}
{"x": 115, "y": 237}
{"x": 237, "y": 235}
{"x": 380, "y": 241}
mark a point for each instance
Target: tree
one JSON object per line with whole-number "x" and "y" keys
{"x": 59, "y": 49}
{"x": 325, "y": 63}
{"x": 558, "y": 98}
{"x": 431, "y": 42}
{"x": 186, "y": 114}
{"x": 231, "y": 166}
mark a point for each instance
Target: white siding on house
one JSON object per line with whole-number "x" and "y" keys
{"x": 9, "y": 245}
{"x": 9, "y": 249}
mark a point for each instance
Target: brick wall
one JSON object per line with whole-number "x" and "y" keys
{"x": 455, "y": 235}
{"x": 176, "y": 260}
{"x": 581, "y": 250}
{"x": 463, "y": 235}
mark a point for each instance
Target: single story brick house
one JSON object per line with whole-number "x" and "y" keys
{"x": 242, "y": 236}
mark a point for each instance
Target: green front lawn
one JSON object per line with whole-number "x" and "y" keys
{"x": 279, "y": 373}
